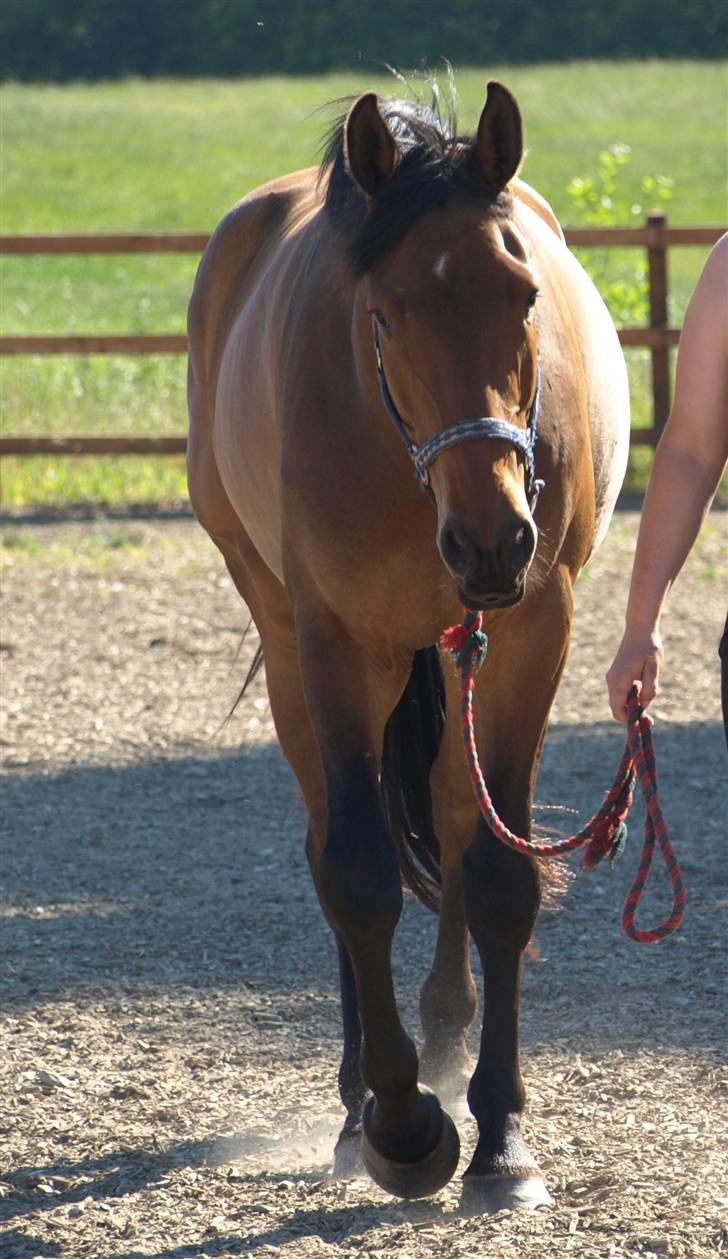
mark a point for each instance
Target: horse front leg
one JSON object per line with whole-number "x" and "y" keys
{"x": 409, "y": 1144}
{"x": 352, "y": 1091}
{"x": 269, "y": 603}
{"x": 502, "y": 890}
{"x": 502, "y": 897}
{"x": 449, "y": 999}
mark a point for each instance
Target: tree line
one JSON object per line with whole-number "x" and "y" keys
{"x": 57, "y": 40}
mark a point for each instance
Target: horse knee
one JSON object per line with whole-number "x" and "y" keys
{"x": 361, "y": 887}
{"x": 502, "y": 892}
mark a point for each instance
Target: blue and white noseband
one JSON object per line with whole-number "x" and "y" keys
{"x": 466, "y": 431}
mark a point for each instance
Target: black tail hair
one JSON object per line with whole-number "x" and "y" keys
{"x": 411, "y": 743}
{"x": 255, "y": 665}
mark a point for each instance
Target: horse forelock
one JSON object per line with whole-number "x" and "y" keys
{"x": 435, "y": 166}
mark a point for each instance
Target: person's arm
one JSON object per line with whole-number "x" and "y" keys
{"x": 687, "y": 468}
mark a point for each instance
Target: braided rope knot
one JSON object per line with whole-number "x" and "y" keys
{"x": 609, "y": 842}
{"x": 605, "y": 834}
{"x": 466, "y": 644}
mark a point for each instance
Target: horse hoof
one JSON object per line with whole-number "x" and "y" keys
{"x": 414, "y": 1179}
{"x": 348, "y": 1162}
{"x": 485, "y": 1195}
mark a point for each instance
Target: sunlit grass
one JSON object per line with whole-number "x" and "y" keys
{"x": 137, "y": 156}
{"x": 144, "y": 394}
{"x": 45, "y": 480}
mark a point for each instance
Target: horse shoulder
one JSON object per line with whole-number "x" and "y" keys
{"x": 582, "y": 358}
{"x": 528, "y": 195}
{"x": 234, "y": 255}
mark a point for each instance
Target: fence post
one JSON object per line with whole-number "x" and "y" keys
{"x": 657, "y": 271}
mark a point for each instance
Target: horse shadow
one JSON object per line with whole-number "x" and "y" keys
{"x": 188, "y": 872}
{"x": 182, "y": 872}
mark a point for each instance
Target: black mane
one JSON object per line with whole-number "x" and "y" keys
{"x": 434, "y": 166}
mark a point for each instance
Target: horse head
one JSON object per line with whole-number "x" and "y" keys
{"x": 446, "y": 289}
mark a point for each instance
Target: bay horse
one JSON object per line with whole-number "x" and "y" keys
{"x": 410, "y": 302}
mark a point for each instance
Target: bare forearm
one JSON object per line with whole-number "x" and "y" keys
{"x": 679, "y": 495}
{"x": 689, "y": 462}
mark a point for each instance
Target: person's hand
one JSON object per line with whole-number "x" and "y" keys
{"x": 637, "y": 663}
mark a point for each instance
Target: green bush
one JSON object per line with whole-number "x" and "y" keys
{"x": 598, "y": 201}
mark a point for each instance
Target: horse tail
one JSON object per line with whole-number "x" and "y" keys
{"x": 411, "y": 742}
{"x": 256, "y": 665}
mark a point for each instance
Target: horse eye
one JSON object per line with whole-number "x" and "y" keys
{"x": 382, "y": 320}
{"x": 531, "y": 301}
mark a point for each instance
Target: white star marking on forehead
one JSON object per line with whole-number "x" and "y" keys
{"x": 441, "y": 266}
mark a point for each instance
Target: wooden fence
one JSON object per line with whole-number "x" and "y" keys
{"x": 656, "y": 237}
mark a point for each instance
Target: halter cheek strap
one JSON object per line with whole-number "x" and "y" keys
{"x": 425, "y": 454}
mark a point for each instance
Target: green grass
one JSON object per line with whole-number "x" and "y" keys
{"x": 174, "y": 156}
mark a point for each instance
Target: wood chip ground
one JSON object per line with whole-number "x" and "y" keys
{"x": 169, "y": 1006}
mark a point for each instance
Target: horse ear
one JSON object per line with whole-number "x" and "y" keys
{"x": 499, "y": 142}
{"x": 371, "y": 152}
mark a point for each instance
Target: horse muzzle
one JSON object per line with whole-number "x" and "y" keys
{"x": 488, "y": 578}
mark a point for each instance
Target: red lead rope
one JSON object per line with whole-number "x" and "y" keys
{"x": 604, "y": 834}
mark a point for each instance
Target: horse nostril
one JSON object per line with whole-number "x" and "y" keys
{"x": 518, "y": 546}
{"x": 459, "y": 550}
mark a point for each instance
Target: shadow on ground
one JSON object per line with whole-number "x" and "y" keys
{"x": 189, "y": 873}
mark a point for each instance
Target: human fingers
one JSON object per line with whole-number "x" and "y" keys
{"x": 619, "y": 685}
{"x": 650, "y": 679}
{"x": 636, "y": 664}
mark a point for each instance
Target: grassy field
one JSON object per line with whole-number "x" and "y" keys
{"x": 174, "y": 156}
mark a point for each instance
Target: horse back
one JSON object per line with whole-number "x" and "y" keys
{"x": 528, "y": 196}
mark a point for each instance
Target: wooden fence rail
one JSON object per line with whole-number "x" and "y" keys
{"x": 656, "y": 237}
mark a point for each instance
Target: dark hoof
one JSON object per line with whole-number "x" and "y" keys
{"x": 484, "y": 1195}
{"x": 348, "y": 1161}
{"x": 413, "y": 1179}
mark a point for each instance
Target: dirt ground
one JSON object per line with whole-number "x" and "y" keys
{"x": 168, "y": 996}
